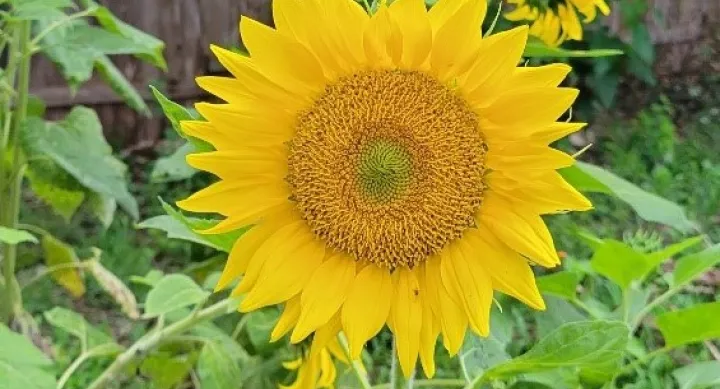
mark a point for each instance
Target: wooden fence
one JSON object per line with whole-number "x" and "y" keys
{"x": 189, "y": 26}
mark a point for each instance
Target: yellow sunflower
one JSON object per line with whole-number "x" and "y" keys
{"x": 316, "y": 368}
{"x": 555, "y": 21}
{"x": 394, "y": 168}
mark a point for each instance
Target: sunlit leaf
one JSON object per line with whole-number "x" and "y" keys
{"x": 590, "y": 178}
{"x": 176, "y": 113}
{"x": 56, "y": 187}
{"x": 22, "y": 366}
{"x": 259, "y": 326}
{"x": 217, "y": 369}
{"x": 563, "y": 284}
{"x": 689, "y": 267}
{"x": 166, "y": 370}
{"x": 619, "y": 262}
{"x": 39, "y": 9}
{"x": 173, "y": 292}
{"x": 481, "y": 353}
{"x": 13, "y": 236}
{"x": 78, "y": 146}
{"x": 595, "y": 348}
{"x": 699, "y": 375}
{"x": 668, "y": 252}
{"x": 61, "y": 255}
{"x": 557, "y": 313}
{"x": 695, "y": 324}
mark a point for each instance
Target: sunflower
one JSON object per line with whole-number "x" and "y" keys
{"x": 316, "y": 368}
{"x": 393, "y": 167}
{"x": 555, "y": 21}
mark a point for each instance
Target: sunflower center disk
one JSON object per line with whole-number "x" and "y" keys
{"x": 384, "y": 170}
{"x": 388, "y": 166}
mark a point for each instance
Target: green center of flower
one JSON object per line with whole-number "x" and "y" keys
{"x": 384, "y": 170}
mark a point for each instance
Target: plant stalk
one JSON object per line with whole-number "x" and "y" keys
{"x": 355, "y": 365}
{"x": 13, "y": 296}
{"x": 151, "y": 340}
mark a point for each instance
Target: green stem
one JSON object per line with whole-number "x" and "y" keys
{"x": 13, "y": 297}
{"x": 59, "y": 23}
{"x": 71, "y": 369}
{"x": 652, "y": 305}
{"x": 151, "y": 340}
{"x": 356, "y": 365}
{"x": 445, "y": 383}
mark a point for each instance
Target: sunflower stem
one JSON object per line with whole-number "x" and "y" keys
{"x": 355, "y": 365}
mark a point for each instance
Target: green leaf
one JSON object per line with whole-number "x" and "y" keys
{"x": 39, "y": 9}
{"x": 658, "y": 257}
{"x": 117, "y": 81}
{"x": 557, "y": 313}
{"x": 75, "y": 46}
{"x": 537, "y": 49}
{"x": 260, "y": 325}
{"x": 103, "y": 207}
{"x": 166, "y": 370}
{"x": 689, "y": 267}
{"x": 176, "y": 113}
{"x": 593, "y": 347}
{"x": 150, "y": 48}
{"x": 590, "y": 178}
{"x": 56, "y": 187}
{"x": 481, "y": 353}
{"x": 619, "y": 262}
{"x": 76, "y": 325}
{"x": 553, "y": 379}
{"x": 13, "y": 236}
{"x": 22, "y": 366}
{"x": 174, "y": 167}
{"x": 217, "y": 369}
{"x": 181, "y": 227}
{"x": 150, "y": 279}
{"x": 699, "y": 375}
{"x": 59, "y": 254}
{"x": 695, "y": 324}
{"x": 78, "y": 146}
{"x": 173, "y": 292}
{"x": 562, "y": 284}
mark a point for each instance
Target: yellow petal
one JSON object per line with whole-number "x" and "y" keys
{"x": 248, "y": 216}
{"x": 326, "y": 334}
{"x": 469, "y": 284}
{"x": 328, "y": 373}
{"x": 367, "y": 306}
{"x": 225, "y": 197}
{"x": 500, "y": 55}
{"x": 541, "y": 76}
{"x": 288, "y": 268}
{"x": 281, "y": 58}
{"x": 528, "y": 107}
{"x": 209, "y": 133}
{"x": 254, "y": 125}
{"x": 546, "y": 194}
{"x": 287, "y": 319}
{"x": 412, "y": 23}
{"x": 556, "y": 131}
{"x": 524, "y": 156}
{"x": 457, "y": 40}
{"x": 429, "y": 330}
{"x": 453, "y": 320}
{"x": 240, "y": 163}
{"x": 509, "y": 271}
{"x": 523, "y": 231}
{"x": 324, "y": 294}
{"x": 406, "y": 316}
{"x": 382, "y": 44}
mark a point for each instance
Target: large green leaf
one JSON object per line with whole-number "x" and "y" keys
{"x": 59, "y": 254}
{"x": 668, "y": 252}
{"x": 691, "y": 266}
{"x": 174, "y": 167}
{"x": 56, "y": 187}
{"x": 12, "y": 236}
{"x": 590, "y": 178}
{"x": 22, "y": 366}
{"x": 481, "y": 353}
{"x": 260, "y": 325}
{"x": 180, "y": 226}
{"x": 75, "y": 46}
{"x": 217, "y": 369}
{"x": 167, "y": 370}
{"x": 595, "y": 348}
{"x": 557, "y": 313}
{"x": 562, "y": 284}
{"x": 75, "y": 324}
{"x": 117, "y": 81}
{"x": 619, "y": 262}
{"x": 699, "y": 375}
{"x": 694, "y": 324}
{"x": 150, "y": 48}
{"x": 77, "y": 145}
{"x": 176, "y": 113}
{"x": 38, "y": 9}
{"x": 536, "y": 48}
{"x": 171, "y": 293}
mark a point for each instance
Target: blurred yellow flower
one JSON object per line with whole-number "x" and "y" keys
{"x": 394, "y": 168}
{"x": 555, "y": 21}
{"x": 316, "y": 368}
